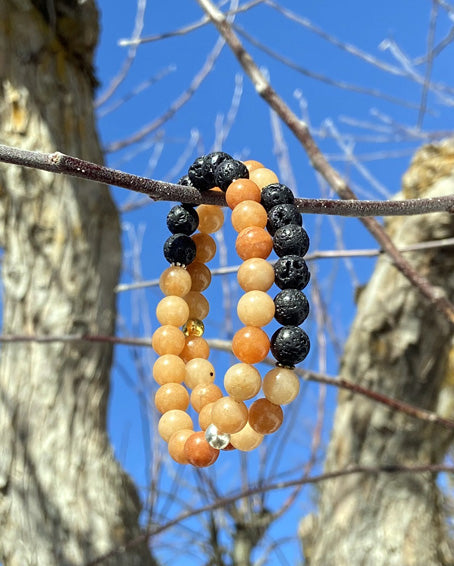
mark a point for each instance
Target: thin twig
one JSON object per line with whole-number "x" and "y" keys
{"x": 262, "y": 488}
{"x": 161, "y": 190}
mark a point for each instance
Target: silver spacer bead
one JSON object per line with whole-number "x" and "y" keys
{"x": 216, "y": 439}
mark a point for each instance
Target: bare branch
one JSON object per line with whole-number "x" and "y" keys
{"x": 318, "y": 160}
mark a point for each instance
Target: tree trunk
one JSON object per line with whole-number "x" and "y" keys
{"x": 401, "y": 346}
{"x": 64, "y": 499}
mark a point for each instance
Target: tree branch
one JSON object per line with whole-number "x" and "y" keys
{"x": 160, "y": 190}
{"x": 317, "y": 159}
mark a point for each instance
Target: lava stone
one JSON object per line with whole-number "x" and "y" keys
{"x": 291, "y": 272}
{"x": 228, "y": 171}
{"x": 275, "y": 194}
{"x": 291, "y": 240}
{"x": 281, "y": 215}
{"x": 210, "y": 162}
{"x": 179, "y": 248}
{"x": 290, "y": 345}
{"x": 195, "y": 173}
{"x": 291, "y": 307}
{"x": 182, "y": 219}
{"x": 185, "y": 181}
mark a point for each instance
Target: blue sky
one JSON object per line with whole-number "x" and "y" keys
{"x": 380, "y": 134}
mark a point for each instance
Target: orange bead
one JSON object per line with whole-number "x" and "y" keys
{"x": 200, "y": 276}
{"x": 240, "y": 190}
{"x": 205, "y": 415}
{"x": 198, "y": 371}
{"x": 248, "y": 213}
{"x": 253, "y": 242}
{"x": 281, "y": 386}
{"x": 211, "y": 218}
{"x": 229, "y": 415}
{"x": 265, "y": 417}
{"x": 171, "y": 396}
{"x": 246, "y": 439}
{"x": 205, "y": 247}
{"x": 168, "y": 340}
{"x": 172, "y": 310}
{"x": 176, "y": 445}
{"x": 255, "y": 308}
{"x": 175, "y": 280}
{"x": 198, "y": 452}
{"x": 169, "y": 369}
{"x": 263, "y": 177}
{"x": 172, "y": 421}
{"x": 204, "y": 394}
{"x": 242, "y": 381}
{"x": 195, "y": 347}
{"x": 198, "y": 305}
{"x": 250, "y": 345}
{"x": 255, "y": 274}
{"x": 251, "y": 165}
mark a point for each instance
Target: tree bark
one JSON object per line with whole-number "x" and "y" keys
{"x": 401, "y": 346}
{"x": 64, "y": 499}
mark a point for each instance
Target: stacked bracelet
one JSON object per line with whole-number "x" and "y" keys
{"x": 258, "y": 201}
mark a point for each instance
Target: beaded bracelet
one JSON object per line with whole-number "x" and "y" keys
{"x": 257, "y": 201}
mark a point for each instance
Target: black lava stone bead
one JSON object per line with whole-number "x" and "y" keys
{"x": 182, "y": 219}
{"x": 281, "y": 215}
{"x": 179, "y": 248}
{"x": 291, "y": 272}
{"x": 228, "y": 171}
{"x": 185, "y": 181}
{"x": 210, "y": 162}
{"x": 195, "y": 173}
{"x": 276, "y": 193}
{"x": 291, "y": 240}
{"x": 290, "y": 345}
{"x": 292, "y": 307}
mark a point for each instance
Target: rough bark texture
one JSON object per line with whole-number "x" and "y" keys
{"x": 401, "y": 346}
{"x": 64, "y": 500}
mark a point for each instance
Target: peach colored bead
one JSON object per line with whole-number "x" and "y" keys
{"x": 198, "y": 371}
{"x": 250, "y": 345}
{"x": 229, "y": 415}
{"x": 200, "y": 276}
{"x": 198, "y": 452}
{"x": 242, "y": 381}
{"x": 211, "y": 218}
{"x": 205, "y": 247}
{"x": 176, "y": 445}
{"x": 263, "y": 177}
{"x": 281, "y": 386}
{"x": 172, "y": 310}
{"x": 265, "y": 417}
{"x": 240, "y": 190}
{"x": 171, "y": 396}
{"x": 205, "y": 416}
{"x": 198, "y": 305}
{"x": 203, "y": 394}
{"x": 175, "y": 280}
{"x": 255, "y": 274}
{"x": 253, "y": 242}
{"x": 172, "y": 421}
{"x": 169, "y": 369}
{"x": 251, "y": 165}
{"x": 246, "y": 439}
{"x": 168, "y": 340}
{"x": 255, "y": 308}
{"x": 248, "y": 213}
{"x": 195, "y": 347}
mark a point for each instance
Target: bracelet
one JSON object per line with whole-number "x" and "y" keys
{"x": 182, "y": 370}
